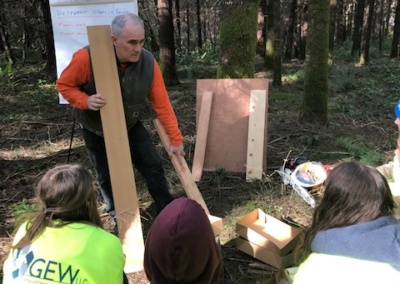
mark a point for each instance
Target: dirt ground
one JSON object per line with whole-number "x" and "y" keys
{"x": 36, "y": 135}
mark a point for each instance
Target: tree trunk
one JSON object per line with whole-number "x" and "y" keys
{"x": 166, "y": 39}
{"x": 303, "y": 30}
{"x": 341, "y": 34}
{"x": 238, "y": 28}
{"x": 381, "y": 24}
{"x": 270, "y": 39}
{"x": 358, "y": 24}
{"x": 187, "y": 28}
{"x": 349, "y": 10}
{"x": 203, "y": 26}
{"x": 5, "y": 44}
{"x": 367, "y": 34}
{"x": 332, "y": 23}
{"x": 290, "y": 30}
{"x": 315, "y": 102}
{"x": 394, "y": 52}
{"x": 213, "y": 27}
{"x": 155, "y": 47}
{"x": 199, "y": 34}
{"x": 50, "y": 49}
{"x": 277, "y": 74}
{"x": 261, "y": 29}
{"x": 178, "y": 26}
{"x": 389, "y": 13}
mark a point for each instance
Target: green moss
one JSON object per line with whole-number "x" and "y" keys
{"x": 238, "y": 41}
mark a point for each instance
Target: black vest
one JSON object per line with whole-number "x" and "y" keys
{"x": 135, "y": 85}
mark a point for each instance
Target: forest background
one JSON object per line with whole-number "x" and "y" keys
{"x": 333, "y": 68}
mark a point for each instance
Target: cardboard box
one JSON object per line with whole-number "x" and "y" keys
{"x": 268, "y": 232}
{"x": 265, "y": 255}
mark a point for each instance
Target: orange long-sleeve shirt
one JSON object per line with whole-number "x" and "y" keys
{"x": 77, "y": 74}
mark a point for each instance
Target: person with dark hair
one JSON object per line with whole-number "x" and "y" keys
{"x": 353, "y": 237}
{"x": 181, "y": 247}
{"x": 141, "y": 80}
{"x": 63, "y": 240}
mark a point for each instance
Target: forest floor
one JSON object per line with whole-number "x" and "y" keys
{"x": 36, "y": 132}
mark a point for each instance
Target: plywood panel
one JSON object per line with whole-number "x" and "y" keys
{"x": 117, "y": 146}
{"x": 229, "y": 122}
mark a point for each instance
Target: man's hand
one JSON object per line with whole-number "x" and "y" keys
{"x": 95, "y": 102}
{"x": 178, "y": 151}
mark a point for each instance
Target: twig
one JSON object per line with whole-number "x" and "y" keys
{"x": 5, "y": 201}
{"x": 237, "y": 259}
{"x": 262, "y": 266}
{"x": 44, "y": 123}
{"x": 24, "y": 171}
{"x": 276, "y": 140}
{"x": 286, "y": 159}
{"x": 337, "y": 153}
{"x": 257, "y": 271}
{"x": 19, "y": 139}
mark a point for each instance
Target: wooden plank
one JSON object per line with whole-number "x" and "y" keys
{"x": 255, "y": 140}
{"x": 182, "y": 169}
{"x": 201, "y": 136}
{"x": 117, "y": 146}
{"x": 187, "y": 180}
{"x": 216, "y": 224}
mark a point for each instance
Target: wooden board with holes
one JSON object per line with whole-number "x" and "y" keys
{"x": 117, "y": 146}
{"x": 255, "y": 140}
{"x": 229, "y": 122}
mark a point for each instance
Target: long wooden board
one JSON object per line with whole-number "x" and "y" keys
{"x": 117, "y": 146}
{"x": 201, "y": 136}
{"x": 255, "y": 140}
{"x": 187, "y": 180}
{"x": 182, "y": 169}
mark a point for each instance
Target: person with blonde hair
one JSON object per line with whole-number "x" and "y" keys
{"x": 63, "y": 240}
{"x": 353, "y": 237}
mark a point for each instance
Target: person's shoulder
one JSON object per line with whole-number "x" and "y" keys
{"x": 82, "y": 53}
{"x": 20, "y": 232}
{"x": 324, "y": 266}
{"x": 147, "y": 54}
{"x": 94, "y": 235}
{"x": 90, "y": 229}
{"x": 105, "y": 236}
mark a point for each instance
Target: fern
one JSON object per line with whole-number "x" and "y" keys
{"x": 360, "y": 150}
